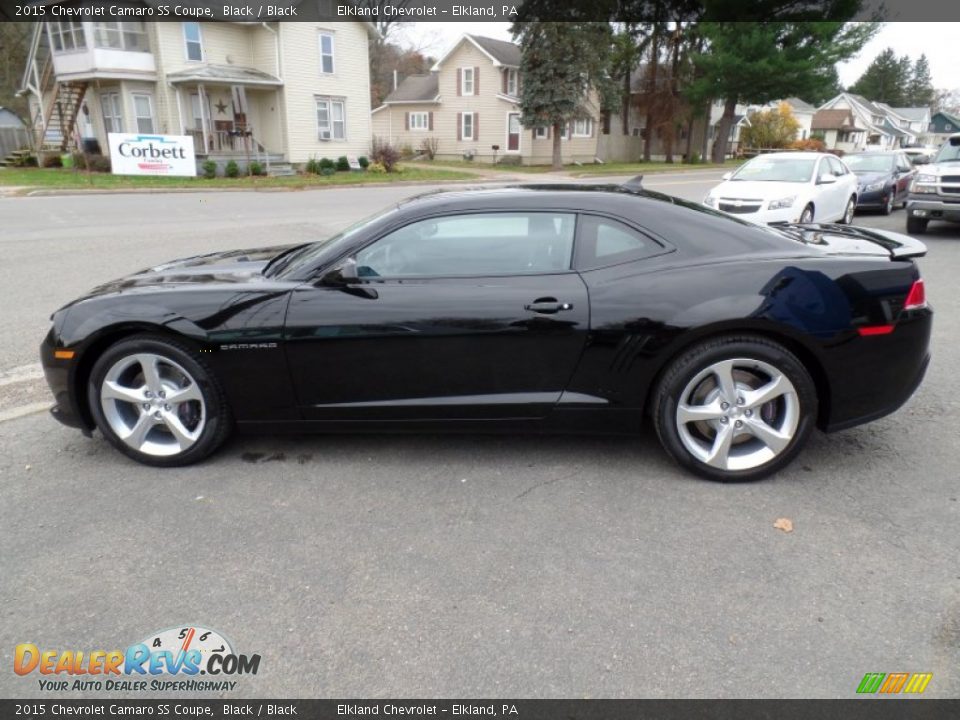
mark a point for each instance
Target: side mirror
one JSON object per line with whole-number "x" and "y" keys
{"x": 727, "y": 176}
{"x": 827, "y": 180}
{"x": 920, "y": 160}
{"x": 343, "y": 274}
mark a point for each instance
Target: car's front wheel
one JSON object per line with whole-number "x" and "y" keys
{"x": 155, "y": 401}
{"x": 849, "y": 211}
{"x": 916, "y": 226}
{"x": 735, "y": 408}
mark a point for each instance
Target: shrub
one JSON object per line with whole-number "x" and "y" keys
{"x": 232, "y": 170}
{"x": 327, "y": 171}
{"x": 428, "y": 147}
{"x": 377, "y": 168}
{"x": 256, "y": 168}
{"x": 837, "y": 152}
{"x": 343, "y": 165}
{"x": 510, "y": 160}
{"x": 695, "y": 158}
{"x": 100, "y": 163}
{"x": 312, "y": 167}
{"x": 52, "y": 161}
{"x": 385, "y": 154}
{"x": 774, "y": 128}
{"x": 364, "y": 161}
{"x": 209, "y": 169}
{"x": 79, "y": 161}
{"x": 814, "y": 144}
{"x": 327, "y": 164}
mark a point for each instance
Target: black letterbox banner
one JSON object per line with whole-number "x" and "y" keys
{"x": 854, "y": 709}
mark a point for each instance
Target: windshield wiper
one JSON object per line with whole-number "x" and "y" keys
{"x": 282, "y": 260}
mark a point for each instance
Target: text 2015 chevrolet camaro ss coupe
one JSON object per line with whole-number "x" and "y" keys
{"x": 548, "y": 308}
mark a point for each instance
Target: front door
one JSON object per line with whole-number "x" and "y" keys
{"x": 513, "y": 132}
{"x": 456, "y": 317}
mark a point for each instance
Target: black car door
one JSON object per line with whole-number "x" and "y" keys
{"x": 904, "y": 171}
{"x": 461, "y": 316}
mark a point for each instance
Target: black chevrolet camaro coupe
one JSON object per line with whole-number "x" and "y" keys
{"x": 535, "y": 308}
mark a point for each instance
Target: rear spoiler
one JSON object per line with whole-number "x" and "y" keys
{"x": 896, "y": 244}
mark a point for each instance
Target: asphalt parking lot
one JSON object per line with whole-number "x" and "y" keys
{"x": 419, "y": 566}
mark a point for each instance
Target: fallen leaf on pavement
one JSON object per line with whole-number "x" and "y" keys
{"x": 785, "y": 524}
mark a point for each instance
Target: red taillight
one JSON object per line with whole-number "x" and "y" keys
{"x": 917, "y": 297}
{"x": 875, "y": 330}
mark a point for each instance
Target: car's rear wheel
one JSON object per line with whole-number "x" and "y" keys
{"x": 916, "y": 226}
{"x": 807, "y": 215}
{"x": 155, "y": 401}
{"x": 849, "y": 212}
{"x": 735, "y": 408}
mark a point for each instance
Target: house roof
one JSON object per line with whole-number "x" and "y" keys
{"x": 915, "y": 114}
{"x": 892, "y": 129}
{"x": 954, "y": 119}
{"x": 833, "y": 120}
{"x": 870, "y": 106}
{"x": 798, "y": 104}
{"x": 415, "y": 88}
{"x": 220, "y": 74}
{"x": 500, "y": 52}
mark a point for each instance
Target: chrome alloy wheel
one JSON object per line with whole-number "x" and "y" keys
{"x": 738, "y": 414}
{"x": 153, "y": 404}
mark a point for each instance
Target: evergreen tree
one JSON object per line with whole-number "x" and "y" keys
{"x": 885, "y": 79}
{"x": 921, "y": 92}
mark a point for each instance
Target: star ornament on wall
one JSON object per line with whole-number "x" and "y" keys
{"x": 221, "y": 107}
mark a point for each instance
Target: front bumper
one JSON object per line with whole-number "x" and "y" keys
{"x": 929, "y": 208}
{"x": 872, "y": 199}
{"x": 58, "y": 374}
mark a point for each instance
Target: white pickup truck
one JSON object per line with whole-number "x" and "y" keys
{"x": 935, "y": 192}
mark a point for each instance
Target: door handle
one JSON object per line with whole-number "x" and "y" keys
{"x": 547, "y": 306}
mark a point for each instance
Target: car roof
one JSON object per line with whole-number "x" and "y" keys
{"x": 795, "y": 154}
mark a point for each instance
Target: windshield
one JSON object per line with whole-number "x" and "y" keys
{"x": 774, "y": 169}
{"x": 305, "y": 254}
{"x": 869, "y": 163}
{"x": 950, "y": 152}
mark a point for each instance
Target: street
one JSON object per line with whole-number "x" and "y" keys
{"x": 461, "y": 566}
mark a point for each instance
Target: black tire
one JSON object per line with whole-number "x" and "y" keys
{"x": 217, "y": 419}
{"x": 807, "y": 215}
{"x": 888, "y": 206}
{"x": 916, "y": 226}
{"x": 848, "y": 212}
{"x": 685, "y": 369}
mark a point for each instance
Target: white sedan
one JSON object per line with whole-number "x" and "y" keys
{"x": 788, "y": 187}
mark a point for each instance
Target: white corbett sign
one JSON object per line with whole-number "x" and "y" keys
{"x": 132, "y": 154}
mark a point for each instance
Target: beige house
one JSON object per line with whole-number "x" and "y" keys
{"x": 276, "y": 92}
{"x": 469, "y": 106}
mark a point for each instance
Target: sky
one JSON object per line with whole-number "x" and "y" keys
{"x": 937, "y": 39}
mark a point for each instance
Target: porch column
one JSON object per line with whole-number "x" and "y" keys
{"x": 180, "y": 110}
{"x": 204, "y": 120}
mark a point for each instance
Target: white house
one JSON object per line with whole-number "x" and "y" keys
{"x": 280, "y": 92}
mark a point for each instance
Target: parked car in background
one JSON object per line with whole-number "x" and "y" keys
{"x": 788, "y": 187}
{"x": 921, "y": 154}
{"x": 935, "y": 192}
{"x": 884, "y": 179}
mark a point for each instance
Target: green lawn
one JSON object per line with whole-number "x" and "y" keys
{"x": 58, "y": 178}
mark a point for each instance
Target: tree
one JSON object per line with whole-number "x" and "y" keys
{"x": 782, "y": 53}
{"x": 773, "y": 128}
{"x": 14, "y": 48}
{"x": 561, "y": 62}
{"x": 886, "y": 79}
{"x": 920, "y": 92}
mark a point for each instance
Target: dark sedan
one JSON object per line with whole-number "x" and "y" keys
{"x": 536, "y": 308}
{"x": 883, "y": 178}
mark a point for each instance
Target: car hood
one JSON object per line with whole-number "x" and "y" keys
{"x": 219, "y": 268}
{"x": 865, "y": 178}
{"x": 756, "y": 190}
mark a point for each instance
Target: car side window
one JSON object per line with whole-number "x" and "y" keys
{"x": 475, "y": 244}
{"x": 824, "y": 169}
{"x": 903, "y": 164}
{"x": 837, "y": 167}
{"x": 603, "y": 241}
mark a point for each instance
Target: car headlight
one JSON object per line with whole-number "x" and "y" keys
{"x": 924, "y": 183}
{"x": 782, "y": 203}
{"x": 710, "y": 201}
{"x": 873, "y": 186}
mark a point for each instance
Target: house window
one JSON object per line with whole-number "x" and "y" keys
{"x": 130, "y": 36}
{"x": 583, "y": 127}
{"x": 512, "y": 82}
{"x": 467, "y": 84}
{"x": 466, "y": 127}
{"x": 419, "y": 121}
{"x": 112, "y": 117}
{"x": 193, "y": 41}
{"x": 541, "y": 133}
{"x": 326, "y": 53}
{"x": 331, "y": 119}
{"x": 67, "y": 36}
{"x": 143, "y": 111}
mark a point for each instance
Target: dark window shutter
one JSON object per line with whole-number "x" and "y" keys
{"x": 505, "y": 73}
{"x": 406, "y": 121}
{"x": 430, "y": 119}
{"x": 476, "y": 126}
{"x": 476, "y": 81}
{"x": 533, "y": 134}
{"x": 459, "y": 126}
{"x": 459, "y": 82}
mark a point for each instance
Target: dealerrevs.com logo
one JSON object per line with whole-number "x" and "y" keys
{"x": 165, "y": 661}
